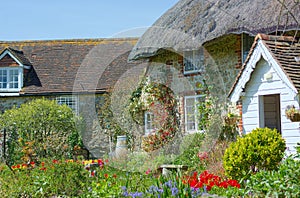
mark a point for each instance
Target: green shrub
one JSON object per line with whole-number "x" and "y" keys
{"x": 38, "y": 129}
{"x": 262, "y": 149}
{"x": 49, "y": 179}
{"x": 284, "y": 182}
{"x": 189, "y": 149}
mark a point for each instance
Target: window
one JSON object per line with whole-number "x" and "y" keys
{"x": 247, "y": 42}
{"x": 10, "y": 79}
{"x": 191, "y": 112}
{"x": 149, "y": 123}
{"x": 193, "y": 61}
{"x": 70, "y": 101}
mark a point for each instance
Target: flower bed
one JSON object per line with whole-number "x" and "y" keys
{"x": 97, "y": 178}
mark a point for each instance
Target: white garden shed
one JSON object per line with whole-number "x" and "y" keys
{"x": 268, "y": 82}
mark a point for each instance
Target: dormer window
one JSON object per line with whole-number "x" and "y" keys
{"x": 12, "y": 65}
{"x": 10, "y": 79}
{"x": 193, "y": 61}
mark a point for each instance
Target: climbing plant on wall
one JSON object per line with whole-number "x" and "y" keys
{"x": 160, "y": 101}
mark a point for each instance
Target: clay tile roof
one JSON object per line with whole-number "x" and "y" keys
{"x": 68, "y": 66}
{"x": 286, "y": 51}
{"x": 191, "y": 23}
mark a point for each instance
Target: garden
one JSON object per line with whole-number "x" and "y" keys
{"x": 39, "y": 161}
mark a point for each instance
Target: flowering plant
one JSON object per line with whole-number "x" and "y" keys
{"x": 159, "y": 100}
{"x": 207, "y": 181}
{"x": 292, "y": 113}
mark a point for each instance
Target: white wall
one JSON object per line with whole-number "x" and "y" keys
{"x": 258, "y": 86}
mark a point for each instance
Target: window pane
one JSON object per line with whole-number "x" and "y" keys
{"x": 3, "y": 79}
{"x": 188, "y": 61}
{"x": 193, "y": 60}
{"x": 13, "y": 78}
{"x": 70, "y": 101}
{"x": 191, "y": 126}
{"x": 149, "y": 122}
{"x": 191, "y": 115}
{"x": 189, "y": 102}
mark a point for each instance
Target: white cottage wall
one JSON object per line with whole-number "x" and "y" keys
{"x": 261, "y": 84}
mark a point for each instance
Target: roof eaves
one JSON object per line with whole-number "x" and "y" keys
{"x": 244, "y": 64}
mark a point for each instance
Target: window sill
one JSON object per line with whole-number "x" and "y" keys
{"x": 9, "y": 93}
{"x": 192, "y": 73}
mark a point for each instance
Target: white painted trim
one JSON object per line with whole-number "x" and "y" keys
{"x": 192, "y": 60}
{"x": 20, "y": 79}
{"x": 260, "y": 51}
{"x": 9, "y": 93}
{"x": 148, "y": 131}
{"x": 15, "y": 59}
{"x": 26, "y": 66}
{"x": 269, "y": 58}
{"x": 261, "y": 112}
{"x": 196, "y": 113}
{"x": 74, "y": 97}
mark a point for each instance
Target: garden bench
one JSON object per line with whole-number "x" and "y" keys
{"x": 165, "y": 169}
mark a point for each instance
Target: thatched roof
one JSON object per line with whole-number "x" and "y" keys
{"x": 190, "y": 23}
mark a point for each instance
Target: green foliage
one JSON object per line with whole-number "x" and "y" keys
{"x": 190, "y": 147}
{"x": 160, "y": 101}
{"x": 206, "y": 110}
{"x": 298, "y": 148}
{"x": 114, "y": 115}
{"x": 50, "y": 179}
{"x": 40, "y": 128}
{"x": 229, "y": 129}
{"x": 262, "y": 149}
{"x": 284, "y": 182}
{"x": 106, "y": 119}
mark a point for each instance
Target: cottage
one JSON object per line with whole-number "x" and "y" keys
{"x": 200, "y": 40}
{"x": 72, "y": 72}
{"x": 267, "y": 84}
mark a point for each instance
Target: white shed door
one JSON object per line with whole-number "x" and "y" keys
{"x": 270, "y": 112}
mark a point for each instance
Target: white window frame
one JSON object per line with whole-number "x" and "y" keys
{"x": 67, "y": 99}
{"x": 151, "y": 129}
{"x": 194, "y": 58}
{"x": 8, "y": 81}
{"x": 195, "y": 113}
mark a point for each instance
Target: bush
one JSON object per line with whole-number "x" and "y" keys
{"x": 262, "y": 149}
{"x": 285, "y": 182}
{"x": 190, "y": 147}
{"x": 38, "y": 129}
{"x": 48, "y": 179}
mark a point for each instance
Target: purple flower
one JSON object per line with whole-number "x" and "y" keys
{"x": 174, "y": 191}
{"x": 136, "y": 194}
{"x": 169, "y": 184}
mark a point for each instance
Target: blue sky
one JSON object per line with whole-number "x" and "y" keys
{"x": 69, "y": 19}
